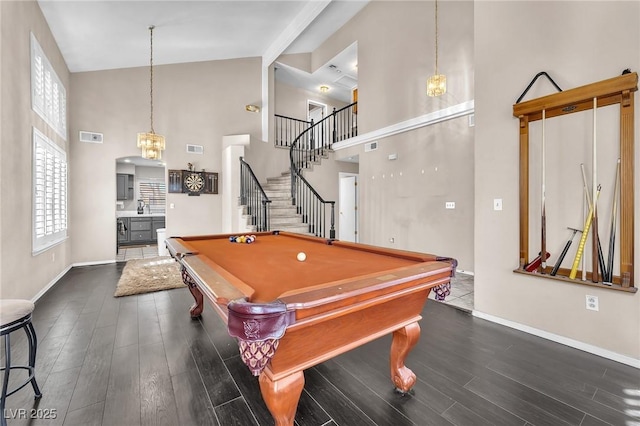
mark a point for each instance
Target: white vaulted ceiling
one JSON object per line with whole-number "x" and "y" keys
{"x": 107, "y": 34}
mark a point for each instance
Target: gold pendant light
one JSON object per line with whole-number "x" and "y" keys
{"x": 437, "y": 83}
{"x": 150, "y": 143}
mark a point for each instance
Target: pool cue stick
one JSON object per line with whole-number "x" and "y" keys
{"x": 583, "y": 240}
{"x": 599, "y": 246}
{"x": 612, "y": 232}
{"x": 594, "y": 181}
{"x": 543, "y": 218}
{"x": 554, "y": 271}
{"x": 584, "y": 219}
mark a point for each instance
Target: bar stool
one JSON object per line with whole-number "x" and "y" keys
{"x": 16, "y": 314}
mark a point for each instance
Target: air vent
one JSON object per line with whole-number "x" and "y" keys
{"x": 195, "y": 149}
{"x": 347, "y": 82}
{"x": 371, "y": 146}
{"x": 90, "y": 137}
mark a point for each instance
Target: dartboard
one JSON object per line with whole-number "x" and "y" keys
{"x": 194, "y": 182}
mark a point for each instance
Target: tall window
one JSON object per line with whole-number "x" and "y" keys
{"x": 154, "y": 194}
{"x": 48, "y": 95}
{"x": 49, "y": 193}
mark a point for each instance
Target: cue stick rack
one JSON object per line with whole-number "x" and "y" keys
{"x": 618, "y": 90}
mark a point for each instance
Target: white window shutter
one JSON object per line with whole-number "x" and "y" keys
{"x": 49, "y": 193}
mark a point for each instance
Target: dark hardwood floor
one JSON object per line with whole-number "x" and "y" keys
{"x": 140, "y": 360}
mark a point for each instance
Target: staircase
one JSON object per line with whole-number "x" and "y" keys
{"x": 288, "y": 202}
{"x": 282, "y": 214}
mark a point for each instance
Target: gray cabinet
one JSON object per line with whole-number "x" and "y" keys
{"x": 142, "y": 230}
{"x": 124, "y": 186}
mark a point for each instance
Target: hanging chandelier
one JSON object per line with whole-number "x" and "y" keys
{"x": 437, "y": 83}
{"x": 151, "y": 143}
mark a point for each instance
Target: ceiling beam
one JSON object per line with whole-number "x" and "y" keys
{"x": 308, "y": 14}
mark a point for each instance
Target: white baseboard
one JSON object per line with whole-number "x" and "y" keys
{"x": 53, "y": 282}
{"x": 623, "y": 359}
{"x": 95, "y": 262}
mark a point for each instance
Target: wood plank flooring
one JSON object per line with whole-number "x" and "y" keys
{"x": 140, "y": 360}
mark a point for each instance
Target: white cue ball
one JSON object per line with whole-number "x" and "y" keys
{"x": 301, "y": 256}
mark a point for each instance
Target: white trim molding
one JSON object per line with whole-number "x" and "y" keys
{"x": 614, "y": 356}
{"x": 53, "y": 282}
{"x": 459, "y": 110}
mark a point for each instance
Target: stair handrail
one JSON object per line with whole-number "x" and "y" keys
{"x": 308, "y": 202}
{"x": 252, "y": 196}
{"x": 286, "y": 128}
{"x": 331, "y": 129}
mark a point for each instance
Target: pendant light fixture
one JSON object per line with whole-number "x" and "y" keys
{"x": 150, "y": 143}
{"x": 437, "y": 83}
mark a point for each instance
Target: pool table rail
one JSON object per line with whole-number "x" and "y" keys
{"x": 365, "y": 287}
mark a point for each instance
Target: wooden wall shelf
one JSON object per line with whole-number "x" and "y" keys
{"x": 618, "y": 90}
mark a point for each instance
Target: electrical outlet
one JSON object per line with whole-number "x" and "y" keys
{"x": 497, "y": 203}
{"x": 450, "y": 205}
{"x": 592, "y": 303}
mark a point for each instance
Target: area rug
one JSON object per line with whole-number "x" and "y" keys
{"x": 148, "y": 275}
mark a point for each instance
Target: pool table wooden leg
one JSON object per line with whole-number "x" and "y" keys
{"x": 282, "y": 396}
{"x": 198, "y": 307}
{"x": 404, "y": 340}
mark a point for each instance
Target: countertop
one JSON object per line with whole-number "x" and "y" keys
{"x": 135, "y": 214}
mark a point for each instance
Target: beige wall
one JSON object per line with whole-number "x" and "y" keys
{"x": 1, "y": 143}
{"x": 291, "y": 101}
{"x": 404, "y": 199}
{"x": 513, "y": 42}
{"x": 21, "y": 274}
{"x": 196, "y": 103}
{"x": 395, "y": 58}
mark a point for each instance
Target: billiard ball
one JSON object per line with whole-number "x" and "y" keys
{"x": 302, "y": 256}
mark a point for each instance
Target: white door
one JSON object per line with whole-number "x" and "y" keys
{"x": 347, "y": 218}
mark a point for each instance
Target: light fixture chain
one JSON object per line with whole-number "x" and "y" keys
{"x": 151, "y": 73}
{"x": 436, "y": 37}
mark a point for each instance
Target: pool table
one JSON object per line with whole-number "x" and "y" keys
{"x": 289, "y": 315}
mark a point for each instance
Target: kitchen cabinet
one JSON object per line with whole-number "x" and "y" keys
{"x": 124, "y": 186}
{"x": 140, "y": 230}
{"x": 143, "y": 230}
